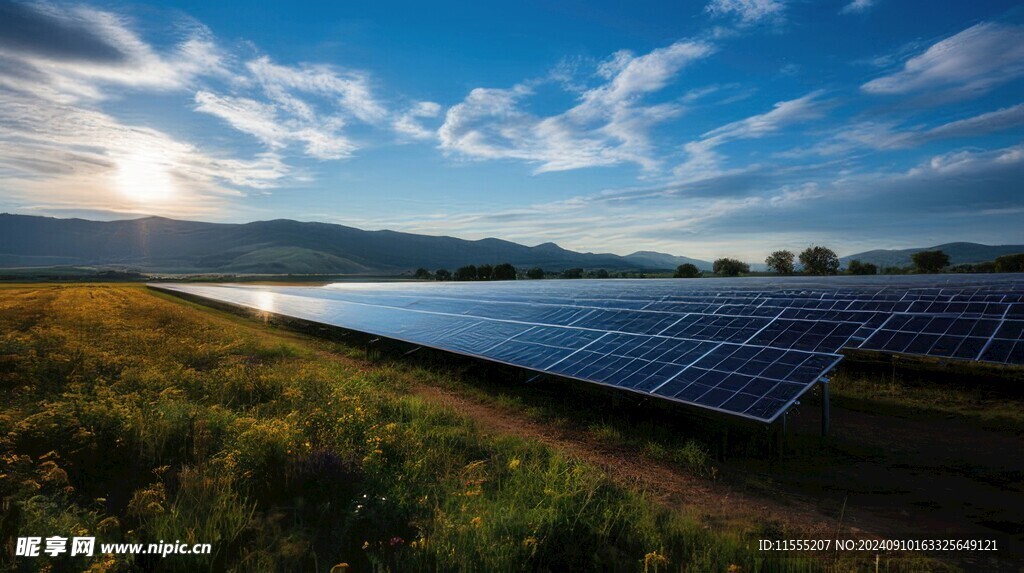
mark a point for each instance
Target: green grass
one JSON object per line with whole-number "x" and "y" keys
{"x": 134, "y": 417}
{"x": 906, "y": 393}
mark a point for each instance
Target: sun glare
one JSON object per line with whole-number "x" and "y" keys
{"x": 144, "y": 177}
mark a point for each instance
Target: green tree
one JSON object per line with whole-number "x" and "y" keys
{"x": 466, "y": 273}
{"x": 421, "y": 273}
{"x": 727, "y": 267}
{"x": 1010, "y": 263}
{"x": 504, "y": 272}
{"x": 687, "y": 271}
{"x": 442, "y": 275}
{"x": 781, "y": 262}
{"x": 600, "y": 274}
{"x": 930, "y": 261}
{"x": 576, "y": 273}
{"x": 858, "y": 268}
{"x": 535, "y": 273}
{"x": 484, "y": 273}
{"x": 818, "y": 260}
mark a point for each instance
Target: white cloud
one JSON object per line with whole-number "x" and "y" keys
{"x": 972, "y": 62}
{"x": 748, "y": 11}
{"x": 408, "y": 123}
{"x": 782, "y": 114}
{"x": 891, "y": 135}
{"x": 703, "y": 161}
{"x": 998, "y": 120}
{"x": 858, "y": 6}
{"x": 608, "y": 125}
{"x": 322, "y": 136}
{"x": 351, "y": 90}
{"x": 246, "y": 115}
{"x": 114, "y": 55}
{"x": 311, "y": 104}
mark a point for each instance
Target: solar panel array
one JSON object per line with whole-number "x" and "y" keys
{"x": 746, "y": 347}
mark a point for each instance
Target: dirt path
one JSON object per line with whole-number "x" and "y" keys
{"x": 714, "y": 503}
{"x": 910, "y": 492}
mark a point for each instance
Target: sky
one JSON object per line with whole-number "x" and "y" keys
{"x": 705, "y": 129}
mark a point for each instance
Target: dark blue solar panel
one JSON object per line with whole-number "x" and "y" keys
{"x": 748, "y": 347}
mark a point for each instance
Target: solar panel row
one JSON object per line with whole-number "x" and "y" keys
{"x": 751, "y": 348}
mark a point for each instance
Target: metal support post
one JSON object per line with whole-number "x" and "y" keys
{"x": 826, "y": 407}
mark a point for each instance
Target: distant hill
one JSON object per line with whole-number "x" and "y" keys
{"x": 959, "y": 253}
{"x": 281, "y": 246}
{"x": 663, "y": 261}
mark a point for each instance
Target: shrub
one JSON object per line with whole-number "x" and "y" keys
{"x": 466, "y": 273}
{"x": 484, "y": 273}
{"x": 535, "y": 273}
{"x": 858, "y": 268}
{"x": 930, "y": 261}
{"x": 1010, "y": 263}
{"x": 780, "y": 262}
{"x": 818, "y": 260}
{"x": 687, "y": 271}
{"x": 727, "y": 267}
{"x": 504, "y": 272}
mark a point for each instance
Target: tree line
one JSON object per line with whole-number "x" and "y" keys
{"x": 814, "y": 260}
{"x": 819, "y": 260}
{"x": 507, "y": 272}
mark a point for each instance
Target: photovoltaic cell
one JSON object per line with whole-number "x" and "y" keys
{"x": 748, "y": 347}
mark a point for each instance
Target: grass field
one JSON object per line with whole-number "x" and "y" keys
{"x": 131, "y": 415}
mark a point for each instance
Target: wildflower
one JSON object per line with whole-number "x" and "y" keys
{"x": 513, "y": 463}
{"x": 476, "y": 521}
{"x": 396, "y": 541}
{"x": 655, "y": 560}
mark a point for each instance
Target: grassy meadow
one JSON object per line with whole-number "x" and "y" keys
{"x": 134, "y": 416}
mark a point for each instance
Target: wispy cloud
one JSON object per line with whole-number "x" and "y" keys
{"x": 608, "y": 126}
{"x": 70, "y": 54}
{"x": 409, "y": 123}
{"x": 350, "y": 90}
{"x": 322, "y": 137}
{"x": 858, "y": 6}
{"x": 970, "y": 63}
{"x": 880, "y": 136}
{"x": 704, "y": 162}
{"x": 748, "y": 11}
{"x": 309, "y": 104}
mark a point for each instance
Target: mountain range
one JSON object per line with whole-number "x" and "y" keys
{"x": 959, "y": 253}
{"x": 156, "y": 244}
{"x": 282, "y": 246}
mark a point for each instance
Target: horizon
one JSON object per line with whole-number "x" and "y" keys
{"x": 723, "y": 128}
{"x": 755, "y": 262}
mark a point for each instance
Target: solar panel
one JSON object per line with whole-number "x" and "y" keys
{"x": 746, "y": 347}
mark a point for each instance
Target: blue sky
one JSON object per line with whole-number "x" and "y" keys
{"x": 707, "y": 129}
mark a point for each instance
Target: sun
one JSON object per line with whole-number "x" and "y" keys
{"x": 145, "y": 177}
